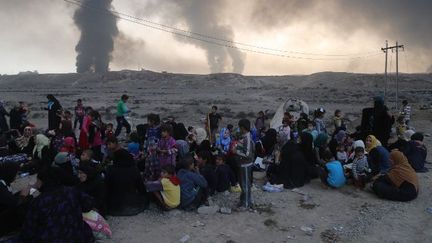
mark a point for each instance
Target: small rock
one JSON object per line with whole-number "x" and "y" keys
{"x": 198, "y": 224}
{"x": 429, "y": 210}
{"x": 208, "y": 210}
{"x": 225, "y": 210}
{"x": 185, "y": 239}
{"x": 175, "y": 213}
{"x": 226, "y": 193}
{"x": 291, "y": 237}
{"x": 308, "y": 230}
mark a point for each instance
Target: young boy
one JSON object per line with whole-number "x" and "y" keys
{"x": 192, "y": 185}
{"x": 207, "y": 170}
{"x": 169, "y": 197}
{"x": 224, "y": 175}
{"x": 245, "y": 155}
{"x": 332, "y": 174}
{"x": 79, "y": 114}
{"x": 359, "y": 167}
{"x": 406, "y": 112}
{"x": 338, "y": 120}
{"x": 166, "y": 147}
{"x": 401, "y": 126}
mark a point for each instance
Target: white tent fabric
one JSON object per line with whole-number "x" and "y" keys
{"x": 294, "y": 106}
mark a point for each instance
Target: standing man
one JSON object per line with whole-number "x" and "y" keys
{"x": 79, "y": 114}
{"x": 122, "y": 110}
{"x": 214, "y": 118}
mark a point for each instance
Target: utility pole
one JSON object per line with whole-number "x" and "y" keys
{"x": 397, "y": 47}
{"x": 385, "y": 70}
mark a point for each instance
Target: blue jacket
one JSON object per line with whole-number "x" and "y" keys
{"x": 336, "y": 176}
{"x": 190, "y": 182}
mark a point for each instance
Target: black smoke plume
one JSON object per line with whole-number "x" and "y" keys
{"x": 98, "y": 29}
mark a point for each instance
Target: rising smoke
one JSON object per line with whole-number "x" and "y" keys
{"x": 98, "y": 30}
{"x": 203, "y": 16}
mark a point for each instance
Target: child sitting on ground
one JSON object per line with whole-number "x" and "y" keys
{"x": 401, "y": 127}
{"x": 332, "y": 174}
{"x": 192, "y": 185}
{"x": 207, "y": 169}
{"x": 224, "y": 175}
{"x": 341, "y": 153}
{"x": 169, "y": 197}
{"x": 360, "y": 167}
{"x": 134, "y": 148}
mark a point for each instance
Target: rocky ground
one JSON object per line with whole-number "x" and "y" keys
{"x": 312, "y": 214}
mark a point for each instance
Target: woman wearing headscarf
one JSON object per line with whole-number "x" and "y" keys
{"x": 292, "y": 170}
{"x": 54, "y": 109}
{"x": 12, "y": 206}
{"x": 126, "y": 193}
{"x": 379, "y": 160}
{"x": 93, "y": 184}
{"x": 306, "y": 147}
{"x": 26, "y": 142}
{"x": 41, "y": 151}
{"x": 321, "y": 145}
{"x": 3, "y": 113}
{"x": 371, "y": 143}
{"x": 56, "y": 214}
{"x": 400, "y": 183}
{"x": 266, "y": 144}
{"x": 224, "y": 140}
{"x": 382, "y": 121}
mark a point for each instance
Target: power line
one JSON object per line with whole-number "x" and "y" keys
{"x": 216, "y": 41}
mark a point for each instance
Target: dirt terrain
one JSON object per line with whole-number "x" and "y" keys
{"x": 344, "y": 215}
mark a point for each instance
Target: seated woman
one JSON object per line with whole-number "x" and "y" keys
{"x": 192, "y": 185}
{"x": 371, "y": 143}
{"x": 264, "y": 147}
{"x": 93, "y": 184}
{"x": 306, "y": 147}
{"x": 13, "y": 207}
{"x": 402, "y": 141}
{"x": 42, "y": 153}
{"x": 56, "y": 214}
{"x": 378, "y": 160}
{"x": 126, "y": 194}
{"x": 26, "y": 142}
{"x": 292, "y": 170}
{"x": 416, "y": 152}
{"x": 400, "y": 183}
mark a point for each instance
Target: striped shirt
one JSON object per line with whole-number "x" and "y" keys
{"x": 406, "y": 111}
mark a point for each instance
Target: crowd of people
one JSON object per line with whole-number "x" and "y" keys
{"x": 83, "y": 165}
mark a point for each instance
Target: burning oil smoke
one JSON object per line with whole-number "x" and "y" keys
{"x": 98, "y": 30}
{"x": 203, "y": 16}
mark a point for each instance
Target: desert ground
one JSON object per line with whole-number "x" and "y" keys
{"x": 344, "y": 215}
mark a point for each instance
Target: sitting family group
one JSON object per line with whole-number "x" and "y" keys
{"x": 172, "y": 166}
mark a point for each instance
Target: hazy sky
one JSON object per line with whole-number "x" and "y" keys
{"x": 41, "y": 35}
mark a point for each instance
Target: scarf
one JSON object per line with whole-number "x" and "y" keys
{"x": 41, "y": 142}
{"x": 68, "y": 145}
{"x": 340, "y": 136}
{"x": 321, "y": 140}
{"x": 174, "y": 180}
{"x": 225, "y": 139}
{"x": 401, "y": 170}
{"x": 375, "y": 143}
